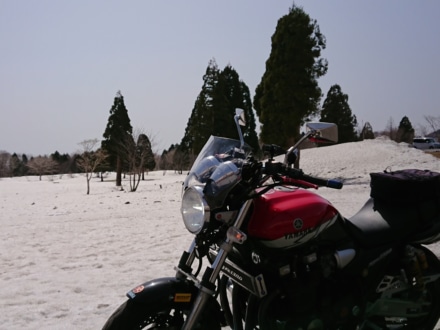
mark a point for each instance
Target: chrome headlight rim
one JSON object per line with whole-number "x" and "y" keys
{"x": 194, "y": 209}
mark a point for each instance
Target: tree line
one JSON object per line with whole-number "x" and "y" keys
{"x": 287, "y": 96}
{"x": 21, "y": 164}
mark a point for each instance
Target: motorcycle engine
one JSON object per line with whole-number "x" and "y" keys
{"x": 312, "y": 294}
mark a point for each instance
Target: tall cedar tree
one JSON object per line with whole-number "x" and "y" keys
{"x": 336, "y": 110}
{"x": 405, "y": 132}
{"x": 117, "y": 131}
{"x": 288, "y": 92}
{"x": 367, "y": 132}
{"x": 222, "y": 92}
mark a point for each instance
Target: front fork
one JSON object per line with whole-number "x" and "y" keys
{"x": 207, "y": 285}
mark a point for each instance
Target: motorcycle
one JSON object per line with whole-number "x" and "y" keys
{"x": 282, "y": 257}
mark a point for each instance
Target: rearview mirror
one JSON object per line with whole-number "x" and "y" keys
{"x": 323, "y": 132}
{"x": 241, "y": 116}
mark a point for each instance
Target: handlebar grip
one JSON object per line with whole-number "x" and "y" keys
{"x": 334, "y": 184}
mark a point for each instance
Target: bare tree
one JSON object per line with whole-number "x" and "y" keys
{"x": 181, "y": 160}
{"x": 422, "y": 130}
{"x": 90, "y": 159}
{"x": 391, "y": 129}
{"x": 140, "y": 157}
{"x": 165, "y": 160}
{"x": 434, "y": 125}
{"x": 42, "y": 165}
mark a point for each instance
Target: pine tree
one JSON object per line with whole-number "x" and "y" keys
{"x": 198, "y": 128}
{"x": 367, "y": 132}
{"x": 145, "y": 153}
{"x": 24, "y": 160}
{"x": 336, "y": 110}
{"x": 405, "y": 132}
{"x": 16, "y": 165}
{"x": 62, "y": 160}
{"x": 117, "y": 132}
{"x": 232, "y": 93}
{"x": 288, "y": 92}
{"x": 222, "y": 92}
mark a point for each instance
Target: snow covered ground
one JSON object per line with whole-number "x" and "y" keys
{"x": 67, "y": 258}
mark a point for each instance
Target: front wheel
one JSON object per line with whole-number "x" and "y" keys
{"x": 133, "y": 315}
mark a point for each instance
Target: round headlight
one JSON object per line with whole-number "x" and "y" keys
{"x": 194, "y": 209}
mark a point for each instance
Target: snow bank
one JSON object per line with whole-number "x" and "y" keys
{"x": 67, "y": 258}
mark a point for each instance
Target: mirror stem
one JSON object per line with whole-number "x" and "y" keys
{"x": 296, "y": 145}
{"x": 240, "y": 133}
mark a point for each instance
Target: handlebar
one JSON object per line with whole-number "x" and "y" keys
{"x": 334, "y": 184}
{"x": 281, "y": 169}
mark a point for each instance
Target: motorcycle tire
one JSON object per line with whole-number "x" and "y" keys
{"x": 132, "y": 315}
{"x": 429, "y": 321}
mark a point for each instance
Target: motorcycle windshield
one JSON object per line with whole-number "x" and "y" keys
{"x": 217, "y": 168}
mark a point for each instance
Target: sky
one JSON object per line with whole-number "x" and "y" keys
{"x": 62, "y": 62}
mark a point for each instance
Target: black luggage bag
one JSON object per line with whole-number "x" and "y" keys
{"x": 408, "y": 188}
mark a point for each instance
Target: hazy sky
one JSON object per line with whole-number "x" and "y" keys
{"x": 62, "y": 62}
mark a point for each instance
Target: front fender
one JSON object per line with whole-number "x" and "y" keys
{"x": 172, "y": 292}
{"x": 164, "y": 290}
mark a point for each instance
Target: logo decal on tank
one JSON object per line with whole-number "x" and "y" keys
{"x": 300, "y": 236}
{"x": 298, "y": 223}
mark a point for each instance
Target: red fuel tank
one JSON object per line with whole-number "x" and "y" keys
{"x": 286, "y": 217}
